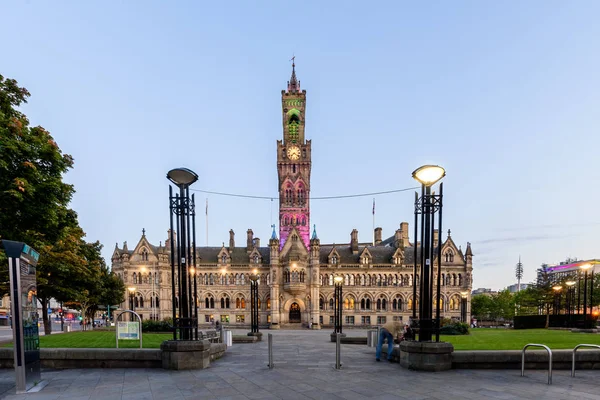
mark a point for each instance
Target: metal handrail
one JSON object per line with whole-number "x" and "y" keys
{"x": 575, "y": 350}
{"x": 549, "y": 360}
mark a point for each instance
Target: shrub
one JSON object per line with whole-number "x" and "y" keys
{"x": 157, "y": 326}
{"x": 454, "y": 328}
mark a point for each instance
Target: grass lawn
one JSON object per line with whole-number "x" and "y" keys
{"x": 478, "y": 339}
{"x": 100, "y": 339}
{"x": 510, "y": 339}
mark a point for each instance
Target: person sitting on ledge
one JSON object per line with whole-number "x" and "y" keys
{"x": 388, "y": 332}
{"x": 408, "y": 333}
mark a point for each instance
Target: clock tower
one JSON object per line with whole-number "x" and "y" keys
{"x": 293, "y": 164}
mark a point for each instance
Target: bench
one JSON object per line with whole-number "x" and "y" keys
{"x": 212, "y": 336}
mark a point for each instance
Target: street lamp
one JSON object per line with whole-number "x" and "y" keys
{"x": 427, "y": 205}
{"x": 254, "y": 302}
{"x": 182, "y": 207}
{"x": 585, "y": 268}
{"x": 337, "y": 312}
{"x": 557, "y": 290}
{"x": 131, "y": 293}
{"x": 570, "y": 300}
{"x": 463, "y": 306}
{"x": 193, "y": 273}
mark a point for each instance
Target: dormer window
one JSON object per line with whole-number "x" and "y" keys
{"x": 334, "y": 259}
{"x": 144, "y": 255}
{"x": 449, "y": 256}
{"x": 365, "y": 260}
{"x": 256, "y": 259}
{"x": 224, "y": 259}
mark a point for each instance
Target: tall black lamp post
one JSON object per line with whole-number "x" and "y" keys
{"x": 131, "y": 298}
{"x": 557, "y": 290}
{"x": 463, "y": 306}
{"x": 427, "y": 205}
{"x": 337, "y": 319}
{"x": 254, "y": 302}
{"x": 183, "y": 253}
{"x": 585, "y": 268}
{"x": 570, "y": 300}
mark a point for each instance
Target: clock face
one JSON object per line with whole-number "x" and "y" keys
{"x": 293, "y": 152}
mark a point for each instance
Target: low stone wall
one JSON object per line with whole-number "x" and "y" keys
{"x": 511, "y": 359}
{"x": 243, "y": 339}
{"x": 534, "y": 359}
{"x": 61, "y": 358}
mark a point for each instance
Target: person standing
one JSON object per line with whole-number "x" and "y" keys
{"x": 389, "y": 331}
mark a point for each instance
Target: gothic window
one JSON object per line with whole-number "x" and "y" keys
{"x": 224, "y": 259}
{"x": 144, "y": 255}
{"x": 448, "y": 280}
{"x": 368, "y": 304}
{"x": 346, "y": 279}
{"x": 321, "y": 304}
{"x": 459, "y": 280}
{"x": 351, "y": 280}
{"x": 334, "y": 259}
{"x": 294, "y": 168}
{"x": 449, "y": 256}
{"x": 211, "y": 279}
{"x": 268, "y": 304}
{"x": 331, "y": 304}
{"x": 243, "y": 303}
{"x": 256, "y": 259}
{"x": 135, "y": 277}
{"x": 331, "y": 280}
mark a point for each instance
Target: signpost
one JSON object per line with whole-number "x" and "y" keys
{"x": 22, "y": 260}
{"x": 129, "y": 330}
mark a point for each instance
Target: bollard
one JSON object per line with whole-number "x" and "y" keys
{"x": 271, "y": 365}
{"x": 338, "y": 340}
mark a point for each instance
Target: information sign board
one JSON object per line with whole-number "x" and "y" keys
{"x": 128, "y": 330}
{"x": 22, "y": 261}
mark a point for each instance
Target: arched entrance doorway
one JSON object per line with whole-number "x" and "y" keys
{"x": 295, "y": 316}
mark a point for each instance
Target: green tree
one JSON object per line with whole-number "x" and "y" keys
{"x": 481, "y": 305}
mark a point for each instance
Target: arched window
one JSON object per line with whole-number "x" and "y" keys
{"x": 256, "y": 259}
{"x": 331, "y": 280}
{"x": 449, "y": 256}
{"x": 321, "y": 304}
{"x": 224, "y": 259}
{"x": 379, "y": 304}
{"x": 268, "y": 304}
{"x": 135, "y": 278}
{"x": 331, "y": 304}
{"x": 383, "y": 304}
{"x": 222, "y": 302}
{"x": 243, "y": 303}
{"x": 459, "y": 280}
{"x": 362, "y": 304}
{"x": 368, "y": 304}
{"x": 334, "y": 259}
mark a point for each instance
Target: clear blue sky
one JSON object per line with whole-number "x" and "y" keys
{"x": 504, "y": 95}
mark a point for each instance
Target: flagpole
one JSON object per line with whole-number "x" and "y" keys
{"x": 373, "y": 221}
{"x": 207, "y": 222}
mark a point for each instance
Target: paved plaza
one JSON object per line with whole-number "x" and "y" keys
{"x": 304, "y": 369}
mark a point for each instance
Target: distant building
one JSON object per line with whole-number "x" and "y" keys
{"x": 485, "y": 291}
{"x": 567, "y": 270}
{"x": 515, "y": 288}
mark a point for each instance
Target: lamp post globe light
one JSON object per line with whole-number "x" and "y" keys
{"x": 183, "y": 253}
{"x": 253, "y": 303}
{"x": 427, "y": 205}
{"x": 337, "y": 307}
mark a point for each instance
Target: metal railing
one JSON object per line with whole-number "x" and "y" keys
{"x": 575, "y": 350}
{"x": 549, "y": 359}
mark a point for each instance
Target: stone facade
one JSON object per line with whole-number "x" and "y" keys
{"x": 296, "y": 273}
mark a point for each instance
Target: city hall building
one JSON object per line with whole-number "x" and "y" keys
{"x": 295, "y": 269}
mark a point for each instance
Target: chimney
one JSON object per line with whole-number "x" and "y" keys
{"x": 436, "y": 237}
{"x": 377, "y": 235}
{"x": 257, "y": 242}
{"x": 231, "y": 240}
{"x": 354, "y": 241}
{"x": 404, "y": 230}
{"x": 168, "y": 241}
{"x": 398, "y": 239}
{"x": 249, "y": 240}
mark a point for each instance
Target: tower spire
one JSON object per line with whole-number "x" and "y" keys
{"x": 293, "y": 83}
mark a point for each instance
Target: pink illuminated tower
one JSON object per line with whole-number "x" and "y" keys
{"x": 293, "y": 165}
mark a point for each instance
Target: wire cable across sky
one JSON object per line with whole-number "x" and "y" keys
{"x": 247, "y": 196}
